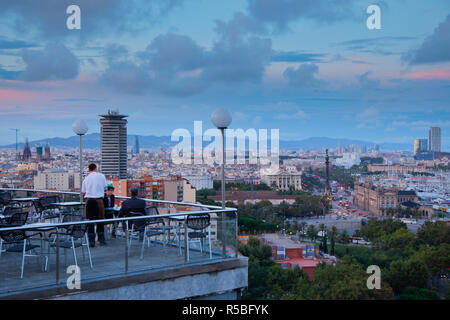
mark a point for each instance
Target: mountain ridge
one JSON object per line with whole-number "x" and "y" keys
{"x": 92, "y": 141}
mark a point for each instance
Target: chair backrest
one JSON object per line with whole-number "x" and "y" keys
{"x": 51, "y": 199}
{"x": 153, "y": 211}
{"x": 129, "y": 211}
{"x": 9, "y": 210}
{"x": 12, "y": 236}
{"x": 198, "y": 221}
{"x": 6, "y": 196}
{"x": 76, "y": 231}
{"x": 16, "y": 220}
{"x": 39, "y": 204}
{"x": 138, "y": 225}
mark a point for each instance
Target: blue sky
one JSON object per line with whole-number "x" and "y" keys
{"x": 307, "y": 67}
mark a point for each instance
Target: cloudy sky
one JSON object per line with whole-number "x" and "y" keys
{"x": 307, "y": 67}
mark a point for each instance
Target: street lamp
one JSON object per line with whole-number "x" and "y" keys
{"x": 80, "y": 128}
{"x": 221, "y": 118}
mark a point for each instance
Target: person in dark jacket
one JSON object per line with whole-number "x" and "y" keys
{"x": 109, "y": 198}
{"x": 132, "y": 205}
{"x": 109, "y": 202}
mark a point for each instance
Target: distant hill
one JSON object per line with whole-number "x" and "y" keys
{"x": 316, "y": 143}
{"x": 92, "y": 141}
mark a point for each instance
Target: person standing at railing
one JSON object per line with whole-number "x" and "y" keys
{"x": 93, "y": 189}
{"x": 109, "y": 202}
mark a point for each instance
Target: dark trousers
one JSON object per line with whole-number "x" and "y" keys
{"x": 95, "y": 211}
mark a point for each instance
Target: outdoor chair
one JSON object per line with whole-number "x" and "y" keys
{"x": 72, "y": 237}
{"x": 136, "y": 228}
{"x": 5, "y": 198}
{"x": 155, "y": 227}
{"x": 200, "y": 223}
{"x": 18, "y": 241}
{"x": 46, "y": 208}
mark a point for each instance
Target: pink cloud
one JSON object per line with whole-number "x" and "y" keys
{"x": 17, "y": 95}
{"x": 429, "y": 75}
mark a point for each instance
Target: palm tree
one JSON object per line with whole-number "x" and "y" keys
{"x": 344, "y": 236}
{"x": 303, "y": 225}
{"x": 322, "y": 228}
{"x": 311, "y": 232}
{"x": 333, "y": 236}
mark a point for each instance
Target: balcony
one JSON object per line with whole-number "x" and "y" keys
{"x": 130, "y": 266}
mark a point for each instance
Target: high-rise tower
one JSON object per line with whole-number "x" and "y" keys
{"x": 420, "y": 145}
{"x": 435, "y": 139}
{"x": 114, "y": 144}
{"x": 136, "y": 145}
{"x": 47, "y": 154}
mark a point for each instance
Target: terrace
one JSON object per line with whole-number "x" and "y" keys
{"x": 136, "y": 264}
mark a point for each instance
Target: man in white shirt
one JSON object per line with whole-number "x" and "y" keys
{"x": 93, "y": 190}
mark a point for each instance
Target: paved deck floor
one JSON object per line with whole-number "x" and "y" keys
{"x": 107, "y": 261}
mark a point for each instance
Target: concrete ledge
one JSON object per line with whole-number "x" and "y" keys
{"x": 168, "y": 283}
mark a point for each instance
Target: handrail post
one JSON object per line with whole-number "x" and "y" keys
{"x": 57, "y": 256}
{"x": 236, "y": 239}
{"x": 126, "y": 246}
{"x": 186, "y": 243}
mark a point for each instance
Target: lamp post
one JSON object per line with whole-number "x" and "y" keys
{"x": 221, "y": 118}
{"x": 80, "y": 128}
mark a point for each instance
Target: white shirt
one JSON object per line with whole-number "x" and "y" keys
{"x": 94, "y": 185}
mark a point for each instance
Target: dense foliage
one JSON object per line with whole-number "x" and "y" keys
{"x": 250, "y": 224}
{"x": 240, "y": 186}
{"x": 412, "y": 267}
{"x": 267, "y": 280}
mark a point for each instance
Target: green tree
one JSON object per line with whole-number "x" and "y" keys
{"x": 434, "y": 233}
{"x": 311, "y": 232}
{"x": 333, "y": 240}
{"x": 401, "y": 239}
{"x": 303, "y": 226}
{"x": 402, "y": 274}
{"x": 413, "y": 293}
{"x": 437, "y": 258}
{"x": 345, "y": 281}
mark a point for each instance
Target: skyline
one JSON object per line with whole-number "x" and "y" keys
{"x": 92, "y": 141}
{"x": 309, "y": 71}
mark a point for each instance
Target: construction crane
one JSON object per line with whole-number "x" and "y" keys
{"x": 17, "y": 146}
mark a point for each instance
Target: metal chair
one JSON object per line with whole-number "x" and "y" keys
{"x": 5, "y": 221}
{"x": 136, "y": 228}
{"x": 9, "y": 211}
{"x": 199, "y": 223}
{"x": 5, "y": 198}
{"x": 45, "y": 206}
{"x": 74, "y": 236}
{"x": 19, "y": 241}
{"x": 154, "y": 228}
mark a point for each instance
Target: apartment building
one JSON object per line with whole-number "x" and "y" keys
{"x": 172, "y": 188}
{"x": 200, "y": 181}
{"x": 55, "y": 180}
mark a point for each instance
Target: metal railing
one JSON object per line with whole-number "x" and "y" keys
{"x": 232, "y": 236}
